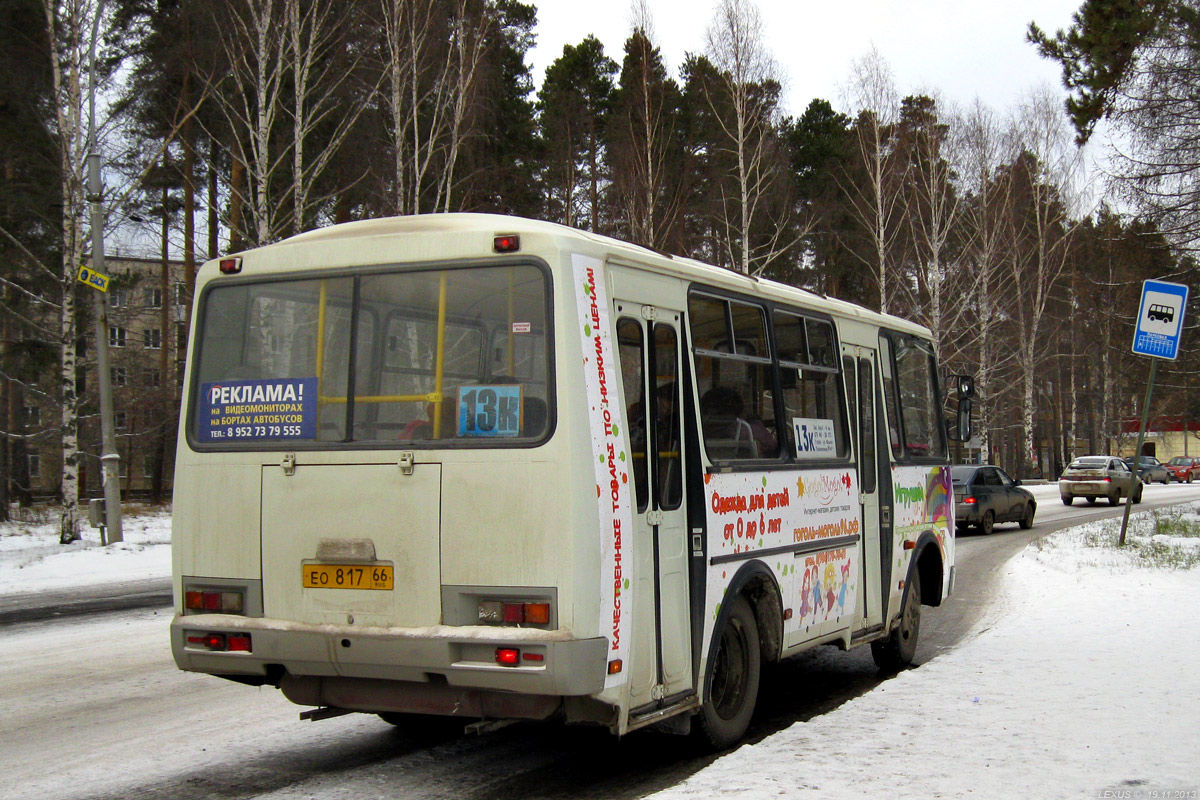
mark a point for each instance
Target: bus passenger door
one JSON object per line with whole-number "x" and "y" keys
{"x": 648, "y": 340}
{"x": 858, "y": 365}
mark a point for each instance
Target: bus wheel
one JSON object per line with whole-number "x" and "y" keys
{"x": 900, "y": 647}
{"x": 733, "y": 675}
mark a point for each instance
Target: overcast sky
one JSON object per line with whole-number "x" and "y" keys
{"x": 960, "y": 48}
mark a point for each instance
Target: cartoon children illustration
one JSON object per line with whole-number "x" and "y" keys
{"x": 816, "y": 590}
{"x": 842, "y": 591}
{"x": 805, "y": 588}
{"x": 830, "y": 596}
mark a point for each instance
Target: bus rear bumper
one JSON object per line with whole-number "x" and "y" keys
{"x": 318, "y": 660}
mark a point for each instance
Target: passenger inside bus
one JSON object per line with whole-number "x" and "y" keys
{"x": 421, "y": 429}
{"x": 726, "y": 434}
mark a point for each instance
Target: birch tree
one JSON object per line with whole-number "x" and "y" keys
{"x": 433, "y": 70}
{"x": 744, "y": 103}
{"x": 251, "y": 38}
{"x": 70, "y": 29}
{"x": 934, "y": 213}
{"x": 645, "y": 141}
{"x": 1045, "y": 173}
{"x": 324, "y": 69}
{"x": 984, "y": 149}
{"x": 877, "y": 201}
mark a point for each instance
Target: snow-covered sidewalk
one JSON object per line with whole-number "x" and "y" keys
{"x": 32, "y": 560}
{"x": 1084, "y": 681}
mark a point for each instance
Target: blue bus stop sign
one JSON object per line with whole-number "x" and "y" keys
{"x": 1160, "y": 319}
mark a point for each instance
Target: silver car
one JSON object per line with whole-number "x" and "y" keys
{"x": 1093, "y": 477}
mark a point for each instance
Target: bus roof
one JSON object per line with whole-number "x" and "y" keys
{"x": 470, "y": 231}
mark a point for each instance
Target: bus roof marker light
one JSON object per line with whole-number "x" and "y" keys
{"x": 230, "y": 266}
{"x": 509, "y": 243}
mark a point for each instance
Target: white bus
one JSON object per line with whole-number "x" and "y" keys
{"x": 484, "y": 467}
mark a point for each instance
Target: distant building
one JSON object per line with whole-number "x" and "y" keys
{"x": 1166, "y": 437}
{"x": 147, "y": 338}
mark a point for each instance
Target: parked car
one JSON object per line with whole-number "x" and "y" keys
{"x": 1184, "y": 468}
{"x": 1150, "y": 469}
{"x": 1093, "y": 477}
{"x": 985, "y": 495}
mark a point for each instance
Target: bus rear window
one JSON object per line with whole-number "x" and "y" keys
{"x": 396, "y": 359}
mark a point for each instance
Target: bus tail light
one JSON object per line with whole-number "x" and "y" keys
{"x": 508, "y": 656}
{"x": 214, "y": 602}
{"x": 970, "y": 500}
{"x": 221, "y": 643}
{"x": 498, "y": 612}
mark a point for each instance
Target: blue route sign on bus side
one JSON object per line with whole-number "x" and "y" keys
{"x": 1160, "y": 319}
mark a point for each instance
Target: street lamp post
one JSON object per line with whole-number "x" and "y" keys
{"x": 109, "y": 458}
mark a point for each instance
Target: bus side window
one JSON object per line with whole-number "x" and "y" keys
{"x": 734, "y": 379}
{"x": 810, "y": 380}
{"x": 631, "y": 353}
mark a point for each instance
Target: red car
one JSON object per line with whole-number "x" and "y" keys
{"x": 1184, "y": 468}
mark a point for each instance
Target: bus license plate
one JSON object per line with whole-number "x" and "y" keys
{"x": 347, "y": 576}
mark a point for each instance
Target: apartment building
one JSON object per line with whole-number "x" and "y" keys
{"x": 147, "y": 337}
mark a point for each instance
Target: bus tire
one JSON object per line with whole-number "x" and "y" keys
{"x": 900, "y": 647}
{"x": 731, "y": 685}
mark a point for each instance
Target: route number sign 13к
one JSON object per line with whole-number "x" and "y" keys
{"x": 1160, "y": 319}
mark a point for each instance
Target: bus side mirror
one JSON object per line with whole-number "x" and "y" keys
{"x": 964, "y": 390}
{"x": 963, "y": 422}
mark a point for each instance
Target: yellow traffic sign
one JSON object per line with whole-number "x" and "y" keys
{"x": 97, "y": 280}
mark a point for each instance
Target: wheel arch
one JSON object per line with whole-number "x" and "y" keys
{"x": 927, "y": 560}
{"x": 756, "y": 582}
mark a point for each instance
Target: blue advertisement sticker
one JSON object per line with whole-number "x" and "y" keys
{"x": 489, "y": 411}
{"x": 277, "y": 409}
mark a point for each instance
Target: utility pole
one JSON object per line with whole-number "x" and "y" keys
{"x": 109, "y": 458}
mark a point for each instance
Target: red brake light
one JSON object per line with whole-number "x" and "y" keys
{"x": 970, "y": 500}
{"x": 508, "y": 656}
{"x": 219, "y": 642}
{"x": 514, "y": 613}
{"x": 507, "y": 244}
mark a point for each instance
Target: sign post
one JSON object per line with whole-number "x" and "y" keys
{"x": 1157, "y": 332}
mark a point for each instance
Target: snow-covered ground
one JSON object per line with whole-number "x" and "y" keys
{"x": 1084, "y": 681}
{"x": 32, "y": 560}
